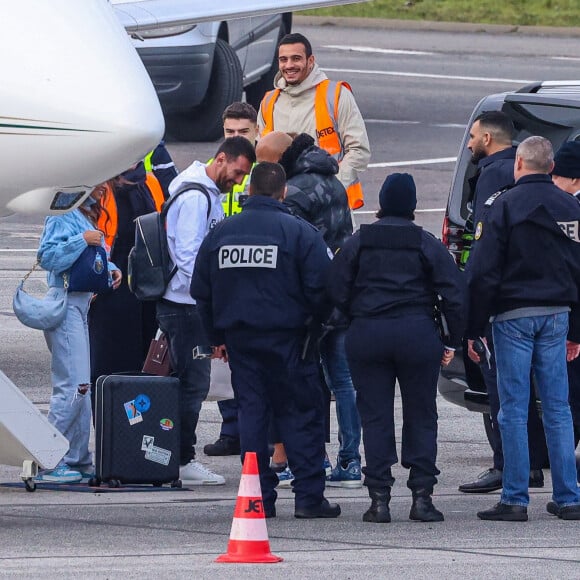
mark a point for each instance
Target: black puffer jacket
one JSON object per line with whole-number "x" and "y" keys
{"x": 314, "y": 192}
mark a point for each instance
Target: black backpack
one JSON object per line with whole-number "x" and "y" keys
{"x": 150, "y": 268}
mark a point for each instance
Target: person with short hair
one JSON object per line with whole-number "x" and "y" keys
{"x": 490, "y": 143}
{"x": 240, "y": 120}
{"x": 258, "y": 281}
{"x": 316, "y": 195}
{"x": 304, "y": 100}
{"x": 524, "y": 272}
{"x": 190, "y": 217}
{"x": 492, "y": 151}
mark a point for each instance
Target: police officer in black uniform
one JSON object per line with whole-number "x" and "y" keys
{"x": 259, "y": 277}
{"x": 386, "y": 278}
{"x": 490, "y": 143}
{"x": 525, "y": 273}
{"x": 566, "y": 176}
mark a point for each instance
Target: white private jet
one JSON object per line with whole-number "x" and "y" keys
{"x": 76, "y": 108}
{"x": 76, "y": 104}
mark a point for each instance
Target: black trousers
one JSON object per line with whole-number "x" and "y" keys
{"x": 182, "y": 325}
{"x": 380, "y": 352}
{"x": 270, "y": 379}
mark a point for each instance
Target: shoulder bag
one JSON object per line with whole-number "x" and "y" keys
{"x": 40, "y": 313}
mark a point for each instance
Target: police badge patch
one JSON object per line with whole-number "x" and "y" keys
{"x": 478, "y": 230}
{"x": 489, "y": 201}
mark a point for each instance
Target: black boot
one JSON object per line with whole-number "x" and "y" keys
{"x": 423, "y": 509}
{"x": 379, "y": 512}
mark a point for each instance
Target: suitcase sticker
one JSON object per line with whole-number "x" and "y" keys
{"x": 133, "y": 414}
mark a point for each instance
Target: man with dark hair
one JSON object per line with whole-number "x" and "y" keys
{"x": 258, "y": 280}
{"x": 270, "y": 181}
{"x": 490, "y": 143}
{"x": 316, "y": 195}
{"x": 240, "y": 119}
{"x": 297, "y": 38}
{"x": 196, "y": 211}
{"x": 304, "y": 100}
{"x": 524, "y": 273}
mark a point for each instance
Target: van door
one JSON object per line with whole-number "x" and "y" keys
{"x": 239, "y": 38}
{"x": 262, "y": 49}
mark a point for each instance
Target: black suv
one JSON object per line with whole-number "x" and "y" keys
{"x": 550, "y": 109}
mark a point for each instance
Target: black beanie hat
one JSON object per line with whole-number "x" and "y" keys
{"x": 567, "y": 160}
{"x": 398, "y": 195}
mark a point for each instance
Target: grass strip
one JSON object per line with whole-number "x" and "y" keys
{"x": 515, "y": 12}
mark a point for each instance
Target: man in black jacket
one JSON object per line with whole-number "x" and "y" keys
{"x": 566, "y": 175}
{"x": 490, "y": 143}
{"x": 316, "y": 195}
{"x": 258, "y": 278}
{"x": 525, "y": 273}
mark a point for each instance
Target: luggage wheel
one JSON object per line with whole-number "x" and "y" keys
{"x": 176, "y": 483}
{"x": 114, "y": 483}
{"x": 30, "y": 484}
{"x": 157, "y": 484}
{"x": 29, "y": 472}
{"x": 94, "y": 482}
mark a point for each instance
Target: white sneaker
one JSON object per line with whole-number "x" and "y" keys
{"x": 194, "y": 473}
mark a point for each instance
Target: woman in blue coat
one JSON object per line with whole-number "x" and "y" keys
{"x": 63, "y": 240}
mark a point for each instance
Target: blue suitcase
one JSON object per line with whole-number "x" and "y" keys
{"x": 137, "y": 430}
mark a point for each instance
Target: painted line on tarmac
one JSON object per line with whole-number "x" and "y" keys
{"x": 377, "y": 50}
{"x": 427, "y": 76}
{"x": 430, "y": 210}
{"x": 414, "y": 162}
{"x": 392, "y": 122}
{"x": 402, "y": 122}
{"x": 565, "y": 57}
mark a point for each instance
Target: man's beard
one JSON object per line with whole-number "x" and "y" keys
{"x": 477, "y": 155}
{"x": 224, "y": 186}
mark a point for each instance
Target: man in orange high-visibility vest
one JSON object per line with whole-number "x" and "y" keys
{"x": 304, "y": 100}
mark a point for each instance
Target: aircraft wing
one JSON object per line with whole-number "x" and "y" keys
{"x": 136, "y": 15}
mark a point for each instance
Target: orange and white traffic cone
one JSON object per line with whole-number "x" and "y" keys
{"x": 249, "y": 536}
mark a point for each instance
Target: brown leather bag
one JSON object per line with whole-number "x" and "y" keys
{"x": 158, "y": 361}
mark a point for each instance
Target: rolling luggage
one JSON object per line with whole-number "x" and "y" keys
{"x": 137, "y": 430}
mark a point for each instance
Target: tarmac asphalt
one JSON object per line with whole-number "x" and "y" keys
{"x": 179, "y": 533}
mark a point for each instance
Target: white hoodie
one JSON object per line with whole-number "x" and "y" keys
{"x": 187, "y": 225}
